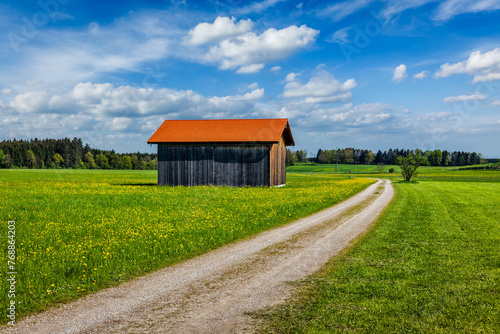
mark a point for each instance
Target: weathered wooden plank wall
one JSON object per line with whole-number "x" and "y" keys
{"x": 218, "y": 165}
{"x": 241, "y": 166}
{"x": 185, "y": 165}
{"x": 278, "y": 163}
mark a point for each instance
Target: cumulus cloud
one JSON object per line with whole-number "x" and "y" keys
{"x": 118, "y": 113}
{"x": 30, "y": 102}
{"x": 275, "y": 68}
{"x": 252, "y": 96}
{"x": 469, "y": 97}
{"x": 483, "y": 66}
{"x": 222, "y": 28}
{"x": 322, "y": 88}
{"x": 106, "y": 100}
{"x": 347, "y": 119}
{"x": 291, "y": 76}
{"x": 238, "y": 48}
{"x": 399, "y": 73}
{"x": 421, "y": 75}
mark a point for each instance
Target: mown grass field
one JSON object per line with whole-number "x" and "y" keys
{"x": 79, "y": 231}
{"x": 430, "y": 265}
{"x": 429, "y": 173}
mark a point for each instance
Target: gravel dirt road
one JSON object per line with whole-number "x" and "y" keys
{"x": 214, "y": 292}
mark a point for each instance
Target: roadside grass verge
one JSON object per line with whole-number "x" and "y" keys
{"x": 431, "y": 264}
{"x": 79, "y": 231}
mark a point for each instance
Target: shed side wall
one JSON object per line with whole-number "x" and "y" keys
{"x": 203, "y": 165}
{"x": 185, "y": 165}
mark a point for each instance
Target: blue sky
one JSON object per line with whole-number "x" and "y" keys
{"x": 362, "y": 73}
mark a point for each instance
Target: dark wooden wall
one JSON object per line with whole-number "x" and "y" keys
{"x": 185, "y": 165}
{"x": 232, "y": 165}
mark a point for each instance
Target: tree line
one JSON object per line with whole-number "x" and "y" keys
{"x": 68, "y": 153}
{"x": 389, "y": 157}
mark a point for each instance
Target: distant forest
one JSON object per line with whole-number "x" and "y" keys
{"x": 71, "y": 153}
{"x": 67, "y": 153}
{"x": 367, "y": 157}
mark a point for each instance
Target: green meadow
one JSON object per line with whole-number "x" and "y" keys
{"x": 78, "y": 231}
{"x": 431, "y": 264}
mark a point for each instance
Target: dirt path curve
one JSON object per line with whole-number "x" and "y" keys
{"x": 213, "y": 292}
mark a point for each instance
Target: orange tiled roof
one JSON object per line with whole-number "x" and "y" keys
{"x": 223, "y": 130}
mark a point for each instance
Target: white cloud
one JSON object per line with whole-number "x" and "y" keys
{"x": 394, "y": 7}
{"x": 222, "y": 28}
{"x": 461, "y": 98}
{"x": 121, "y": 123}
{"x": 322, "y": 88}
{"x": 60, "y": 58}
{"x": 275, "y": 68}
{"x": 106, "y": 100}
{"x": 291, "y": 76}
{"x": 421, "y": 75}
{"x": 451, "y": 8}
{"x": 399, "y": 73}
{"x": 349, "y": 118}
{"x": 257, "y": 7}
{"x": 341, "y": 36}
{"x": 484, "y": 66}
{"x": 446, "y": 10}
{"x": 494, "y": 104}
{"x": 253, "y": 86}
{"x": 254, "y": 50}
{"x": 30, "y": 102}
{"x": 339, "y": 11}
{"x": 93, "y": 27}
{"x": 253, "y": 68}
{"x": 6, "y": 91}
{"x": 252, "y": 96}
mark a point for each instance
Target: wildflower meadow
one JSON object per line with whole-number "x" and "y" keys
{"x": 78, "y": 231}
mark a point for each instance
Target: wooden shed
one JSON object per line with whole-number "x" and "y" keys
{"x": 232, "y": 152}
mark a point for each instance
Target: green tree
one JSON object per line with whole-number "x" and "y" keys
{"x": 152, "y": 164}
{"x": 58, "y": 159}
{"x": 1, "y": 158}
{"x": 30, "y": 159}
{"x": 7, "y": 161}
{"x": 89, "y": 159}
{"x": 291, "y": 158}
{"x": 410, "y": 164}
{"x": 136, "y": 163}
{"x": 380, "y": 167}
{"x": 368, "y": 158}
{"x": 301, "y": 155}
{"x": 102, "y": 161}
{"x": 127, "y": 162}
{"x": 349, "y": 155}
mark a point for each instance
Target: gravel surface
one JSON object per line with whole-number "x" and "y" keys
{"x": 214, "y": 292}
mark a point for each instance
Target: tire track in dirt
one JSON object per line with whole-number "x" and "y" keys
{"x": 214, "y": 292}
